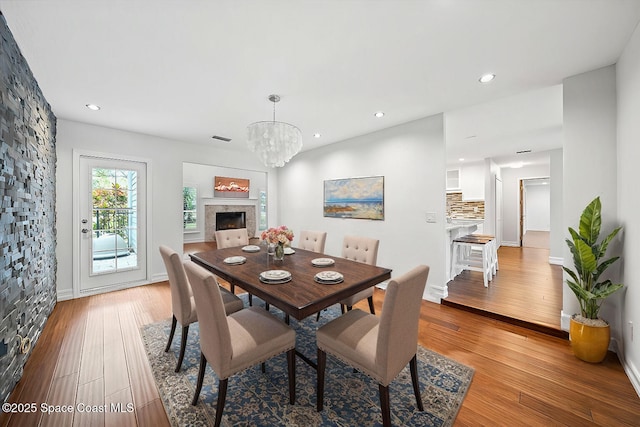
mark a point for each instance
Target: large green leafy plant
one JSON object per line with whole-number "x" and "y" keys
{"x": 588, "y": 261}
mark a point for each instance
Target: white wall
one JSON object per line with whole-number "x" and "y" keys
{"x": 166, "y": 159}
{"x": 511, "y": 199}
{"x": 557, "y": 231}
{"x": 411, "y": 157}
{"x": 202, "y": 176}
{"x": 590, "y": 165}
{"x": 628, "y": 94}
{"x": 537, "y": 207}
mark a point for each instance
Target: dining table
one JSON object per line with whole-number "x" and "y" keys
{"x": 302, "y": 295}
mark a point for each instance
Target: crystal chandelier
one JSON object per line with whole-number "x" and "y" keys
{"x": 275, "y": 143}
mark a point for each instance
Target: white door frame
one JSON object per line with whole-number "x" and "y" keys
{"x": 77, "y": 215}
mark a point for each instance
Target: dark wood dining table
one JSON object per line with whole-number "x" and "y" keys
{"x": 302, "y": 296}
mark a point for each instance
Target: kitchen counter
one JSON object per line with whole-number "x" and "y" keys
{"x": 458, "y": 224}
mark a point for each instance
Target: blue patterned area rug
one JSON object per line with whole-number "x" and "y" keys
{"x": 257, "y": 399}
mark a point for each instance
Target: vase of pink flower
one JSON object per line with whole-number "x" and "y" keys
{"x": 278, "y": 236}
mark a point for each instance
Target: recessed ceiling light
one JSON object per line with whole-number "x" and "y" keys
{"x": 379, "y": 114}
{"x": 316, "y": 135}
{"x": 461, "y": 159}
{"x": 486, "y": 78}
{"x": 93, "y": 107}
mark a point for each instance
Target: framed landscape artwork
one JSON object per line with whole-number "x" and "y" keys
{"x": 236, "y": 188}
{"x": 360, "y": 198}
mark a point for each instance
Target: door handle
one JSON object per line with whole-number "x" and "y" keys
{"x": 85, "y": 230}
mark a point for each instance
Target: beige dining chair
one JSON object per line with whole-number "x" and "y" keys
{"x": 230, "y": 239}
{"x": 381, "y": 346}
{"x": 360, "y": 249}
{"x": 365, "y": 250}
{"x": 312, "y": 240}
{"x": 182, "y": 304}
{"x": 234, "y": 343}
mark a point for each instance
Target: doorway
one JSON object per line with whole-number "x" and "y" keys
{"x": 111, "y": 222}
{"x": 535, "y": 213}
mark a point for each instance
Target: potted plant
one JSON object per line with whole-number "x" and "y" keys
{"x": 589, "y": 333}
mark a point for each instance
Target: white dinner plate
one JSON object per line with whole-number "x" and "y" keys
{"x": 329, "y": 276}
{"x": 289, "y": 251}
{"x": 322, "y": 262}
{"x": 273, "y": 275}
{"x": 251, "y": 248}
{"x": 275, "y": 282}
{"x": 235, "y": 260}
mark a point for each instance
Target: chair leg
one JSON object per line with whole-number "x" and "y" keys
{"x": 266, "y": 306}
{"x": 384, "y": 405}
{"x": 343, "y": 308}
{"x": 322, "y": 361}
{"x": 222, "y": 395}
{"x": 263, "y": 367}
{"x": 371, "y": 309}
{"x": 413, "y": 367}
{"x": 250, "y": 300}
{"x": 174, "y": 322}
{"x": 291, "y": 362}
{"x": 183, "y": 346}
{"x": 318, "y": 316}
{"x": 203, "y": 367}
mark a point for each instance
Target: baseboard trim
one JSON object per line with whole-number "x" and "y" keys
{"x": 64, "y": 294}
{"x": 512, "y": 244}
{"x": 556, "y": 260}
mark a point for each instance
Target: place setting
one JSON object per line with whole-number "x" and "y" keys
{"x": 235, "y": 260}
{"x": 322, "y": 262}
{"x": 329, "y": 277}
{"x": 275, "y": 277}
{"x": 251, "y": 248}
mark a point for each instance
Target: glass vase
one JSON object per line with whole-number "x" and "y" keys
{"x": 278, "y": 255}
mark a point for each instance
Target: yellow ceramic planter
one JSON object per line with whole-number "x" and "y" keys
{"x": 589, "y": 343}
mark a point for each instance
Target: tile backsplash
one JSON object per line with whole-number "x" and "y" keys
{"x": 457, "y": 208}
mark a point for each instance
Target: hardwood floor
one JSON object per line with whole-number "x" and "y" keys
{"x": 91, "y": 352}
{"x": 527, "y": 290}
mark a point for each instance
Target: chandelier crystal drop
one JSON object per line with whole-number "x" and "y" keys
{"x": 274, "y": 142}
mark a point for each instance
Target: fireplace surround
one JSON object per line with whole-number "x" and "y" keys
{"x": 210, "y": 220}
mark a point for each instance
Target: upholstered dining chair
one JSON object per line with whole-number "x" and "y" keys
{"x": 360, "y": 249}
{"x": 182, "y": 304}
{"x": 312, "y": 240}
{"x": 232, "y": 238}
{"x": 380, "y": 346}
{"x": 233, "y": 343}
{"x": 365, "y": 250}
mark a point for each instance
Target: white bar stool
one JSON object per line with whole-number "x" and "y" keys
{"x": 464, "y": 257}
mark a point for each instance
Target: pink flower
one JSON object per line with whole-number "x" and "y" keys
{"x": 279, "y": 234}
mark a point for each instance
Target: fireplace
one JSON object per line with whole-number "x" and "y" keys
{"x": 211, "y": 218}
{"x": 230, "y": 220}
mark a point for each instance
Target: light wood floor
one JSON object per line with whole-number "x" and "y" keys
{"x": 536, "y": 239}
{"x": 527, "y": 290}
{"x": 91, "y": 352}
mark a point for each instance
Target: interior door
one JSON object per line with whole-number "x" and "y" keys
{"x": 112, "y": 223}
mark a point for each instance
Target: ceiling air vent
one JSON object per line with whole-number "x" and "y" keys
{"x": 523, "y": 151}
{"x": 221, "y": 138}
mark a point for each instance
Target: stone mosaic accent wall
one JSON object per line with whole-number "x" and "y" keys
{"x": 458, "y": 209}
{"x": 27, "y": 210}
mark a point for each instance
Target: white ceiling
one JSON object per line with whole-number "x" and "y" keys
{"x": 187, "y": 70}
